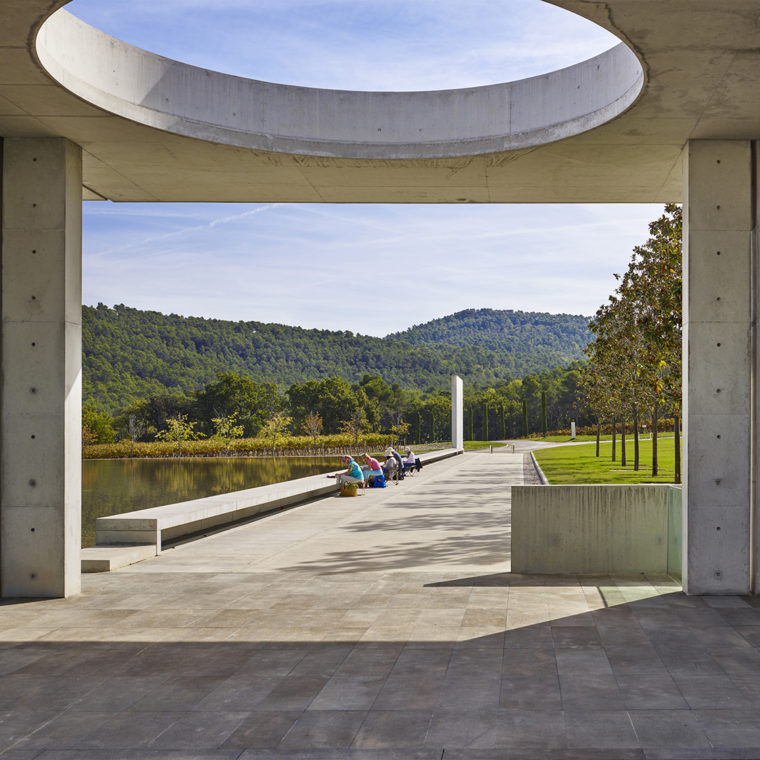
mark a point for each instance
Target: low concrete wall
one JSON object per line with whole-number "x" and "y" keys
{"x": 595, "y": 529}
{"x": 157, "y": 524}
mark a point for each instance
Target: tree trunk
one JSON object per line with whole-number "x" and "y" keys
{"x": 677, "y": 441}
{"x": 598, "y": 434}
{"x": 655, "y": 469}
{"x": 622, "y": 443}
{"x": 614, "y": 439}
{"x": 543, "y": 413}
{"x": 636, "y": 439}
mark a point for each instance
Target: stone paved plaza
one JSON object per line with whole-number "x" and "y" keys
{"x": 381, "y": 627}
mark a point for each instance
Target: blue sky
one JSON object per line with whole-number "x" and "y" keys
{"x": 336, "y": 266}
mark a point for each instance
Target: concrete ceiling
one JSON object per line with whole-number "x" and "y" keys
{"x": 608, "y": 130}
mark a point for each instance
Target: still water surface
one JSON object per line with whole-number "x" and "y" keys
{"x": 113, "y": 486}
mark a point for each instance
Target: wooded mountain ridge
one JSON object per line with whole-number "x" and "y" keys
{"x": 130, "y": 354}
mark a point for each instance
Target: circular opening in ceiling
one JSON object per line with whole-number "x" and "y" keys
{"x": 374, "y": 45}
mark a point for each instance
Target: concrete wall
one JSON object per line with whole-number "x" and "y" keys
{"x": 593, "y": 529}
{"x": 41, "y": 354}
{"x": 719, "y": 368}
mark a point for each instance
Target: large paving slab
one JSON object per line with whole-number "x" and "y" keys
{"x": 384, "y": 626}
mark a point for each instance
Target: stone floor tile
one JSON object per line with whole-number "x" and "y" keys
{"x": 524, "y": 729}
{"x": 182, "y": 693}
{"x": 393, "y": 729}
{"x": 470, "y": 692}
{"x": 293, "y": 693}
{"x": 261, "y": 730}
{"x": 239, "y": 693}
{"x": 600, "y": 730}
{"x": 634, "y": 660}
{"x": 199, "y": 730}
{"x": 526, "y": 692}
{"x": 590, "y": 692}
{"x": 711, "y": 692}
{"x": 320, "y": 729}
{"x": 538, "y": 663}
{"x": 65, "y": 731}
{"x": 129, "y": 730}
{"x": 576, "y": 637}
{"x": 671, "y": 729}
{"x": 649, "y": 692}
{"x": 410, "y": 692}
{"x": 460, "y": 728}
{"x": 545, "y": 753}
{"x": 348, "y": 693}
{"x": 731, "y": 728}
{"x": 323, "y": 660}
{"x": 275, "y": 661}
{"x": 16, "y": 725}
{"x": 532, "y": 637}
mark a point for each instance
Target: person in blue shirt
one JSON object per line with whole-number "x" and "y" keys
{"x": 353, "y": 474}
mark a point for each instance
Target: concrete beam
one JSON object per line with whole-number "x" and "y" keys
{"x": 720, "y": 430}
{"x": 40, "y": 353}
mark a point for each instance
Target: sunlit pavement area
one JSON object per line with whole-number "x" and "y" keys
{"x": 382, "y": 626}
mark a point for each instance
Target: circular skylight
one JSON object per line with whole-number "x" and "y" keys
{"x": 356, "y": 44}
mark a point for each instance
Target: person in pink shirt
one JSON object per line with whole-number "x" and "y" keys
{"x": 371, "y": 468}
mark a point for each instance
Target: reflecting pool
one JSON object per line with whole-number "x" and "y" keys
{"x": 113, "y": 486}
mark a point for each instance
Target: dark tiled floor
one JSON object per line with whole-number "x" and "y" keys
{"x": 378, "y": 628}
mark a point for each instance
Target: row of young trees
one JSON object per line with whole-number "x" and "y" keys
{"x": 633, "y": 373}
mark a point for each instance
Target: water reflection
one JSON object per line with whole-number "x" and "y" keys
{"x": 113, "y": 486}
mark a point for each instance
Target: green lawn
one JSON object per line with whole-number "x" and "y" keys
{"x": 475, "y": 445}
{"x": 564, "y": 438}
{"x": 579, "y": 465}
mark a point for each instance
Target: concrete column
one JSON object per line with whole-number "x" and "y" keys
{"x": 720, "y": 430}
{"x": 40, "y": 355}
{"x": 457, "y": 413}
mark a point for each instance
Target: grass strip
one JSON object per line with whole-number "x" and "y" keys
{"x": 579, "y": 465}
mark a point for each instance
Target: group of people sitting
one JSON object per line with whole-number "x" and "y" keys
{"x": 370, "y": 473}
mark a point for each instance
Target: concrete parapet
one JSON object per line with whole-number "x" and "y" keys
{"x": 596, "y": 529}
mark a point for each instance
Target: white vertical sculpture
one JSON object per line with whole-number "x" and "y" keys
{"x": 457, "y": 413}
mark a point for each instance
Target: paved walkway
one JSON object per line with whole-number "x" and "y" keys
{"x": 378, "y": 628}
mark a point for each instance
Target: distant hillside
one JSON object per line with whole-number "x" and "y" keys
{"x": 130, "y": 354}
{"x": 549, "y": 339}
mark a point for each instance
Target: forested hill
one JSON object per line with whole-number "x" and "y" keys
{"x": 555, "y": 338}
{"x": 130, "y": 354}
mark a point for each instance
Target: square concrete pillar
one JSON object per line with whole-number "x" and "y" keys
{"x": 457, "y": 413}
{"x": 720, "y": 430}
{"x": 41, "y": 358}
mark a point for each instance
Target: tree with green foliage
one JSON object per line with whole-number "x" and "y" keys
{"x": 97, "y": 427}
{"x": 312, "y": 425}
{"x": 274, "y": 429}
{"x": 231, "y": 394}
{"x": 636, "y": 352}
{"x": 179, "y": 429}
{"x": 227, "y": 429}
{"x": 355, "y": 425}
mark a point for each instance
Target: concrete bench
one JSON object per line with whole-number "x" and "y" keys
{"x": 155, "y": 525}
